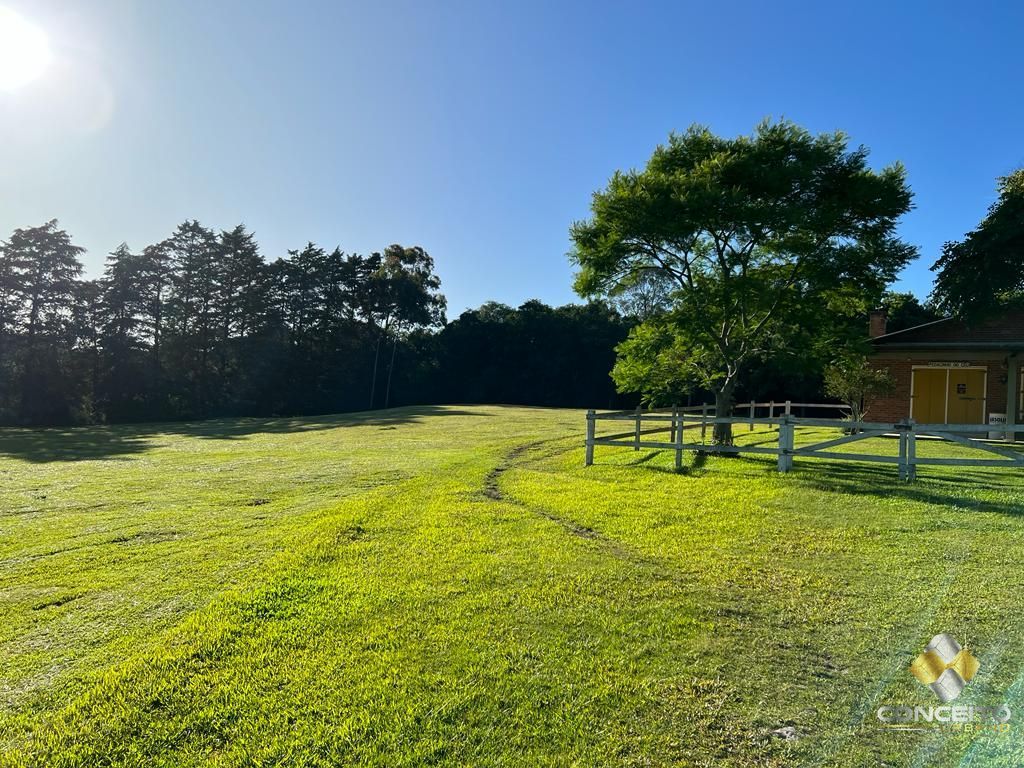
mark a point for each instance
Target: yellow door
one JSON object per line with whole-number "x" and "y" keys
{"x": 929, "y": 395}
{"x": 966, "y": 396}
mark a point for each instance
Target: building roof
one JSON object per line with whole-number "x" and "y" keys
{"x": 1004, "y": 331}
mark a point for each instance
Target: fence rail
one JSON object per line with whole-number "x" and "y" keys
{"x": 677, "y": 421}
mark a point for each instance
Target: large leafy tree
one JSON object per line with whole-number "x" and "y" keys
{"x": 985, "y": 271}
{"x": 762, "y": 237}
{"x": 88, "y": 317}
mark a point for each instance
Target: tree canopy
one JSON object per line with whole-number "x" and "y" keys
{"x": 762, "y": 237}
{"x": 985, "y": 271}
{"x": 905, "y": 310}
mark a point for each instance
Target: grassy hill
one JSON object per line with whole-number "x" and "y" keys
{"x": 450, "y": 586}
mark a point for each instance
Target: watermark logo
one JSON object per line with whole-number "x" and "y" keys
{"x": 946, "y": 667}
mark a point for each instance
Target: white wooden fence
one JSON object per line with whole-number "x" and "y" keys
{"x": 678, "y": 422}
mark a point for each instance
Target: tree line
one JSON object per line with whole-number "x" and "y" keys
{"x": 201, "y": 325}
{"x": 726, "y": 269}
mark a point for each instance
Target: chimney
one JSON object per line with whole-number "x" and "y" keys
{"x": 876, "y": 323}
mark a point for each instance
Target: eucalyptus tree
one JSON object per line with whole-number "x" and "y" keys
{"x": 404, "y": 293}
{"x": 761, "y": 236}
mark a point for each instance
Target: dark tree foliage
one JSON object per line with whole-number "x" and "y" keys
{"x": 984, "y": 272}
{"x": 905, "y": 310}
{"x": 40, "y": 268}
{"x": 533, "y": 355}
{"x": 200, "y": 325}
{"x": 404, "y": 293}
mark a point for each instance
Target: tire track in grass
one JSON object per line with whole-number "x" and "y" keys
{"x": 516, "y": 458}
{"x": 691, "y": 685}
{"x": 492, "y": 490}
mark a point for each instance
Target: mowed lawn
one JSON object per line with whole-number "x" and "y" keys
{"x": 450, "y": 586}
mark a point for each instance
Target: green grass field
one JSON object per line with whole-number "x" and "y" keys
{"x": 450, "y": 586}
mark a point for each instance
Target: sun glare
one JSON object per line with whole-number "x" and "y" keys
{"x": 24, "y": 51}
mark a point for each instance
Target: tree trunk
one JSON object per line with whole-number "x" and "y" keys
{"x": 856, "y": 414}
{"x": 373, "y": 385}
{"x": 723, "y": 407}
{"x": 391, "y": 368}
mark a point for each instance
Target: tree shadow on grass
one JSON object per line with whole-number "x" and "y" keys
{"x": 121, "y": 441}
{"x": 883, "y": 482}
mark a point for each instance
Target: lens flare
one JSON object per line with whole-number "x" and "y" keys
{"x": 24, "y": 50}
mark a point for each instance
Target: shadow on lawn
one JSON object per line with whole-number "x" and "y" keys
{"x": 881, "y": 481}
{"x": 697, "y": 462}
{"x": 107, "y": 442}
{"x": 942, "y": 490}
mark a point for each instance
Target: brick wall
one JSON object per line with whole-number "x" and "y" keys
{"x": 897, "y": 406}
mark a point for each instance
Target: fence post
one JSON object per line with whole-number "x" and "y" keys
{"x": 752, "y": 404}
{"x": 672, "y": 429}
{"x": 771, "y": 410}
{"x": 902, "y": 464}
{"x": 636, "y": 439}
{"x": 703, "y": 422}
{"x": 590, "y": 438}
{"x": 911, "y": 452}
{"x": 790, "y": 442}
{"x": 677, "y": 438}
{"x": 786, "y": 443}
{"x": 789, "y": 407}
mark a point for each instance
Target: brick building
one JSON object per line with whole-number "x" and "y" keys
{"x": 949, "y": 372}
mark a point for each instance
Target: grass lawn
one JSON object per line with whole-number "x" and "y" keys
{"x": 450, "y": 586}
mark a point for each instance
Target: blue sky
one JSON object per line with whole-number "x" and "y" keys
{"x": 475, "y": 129}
